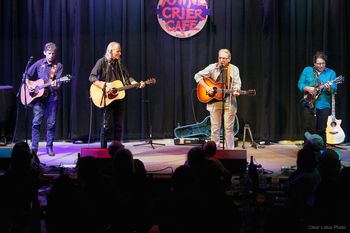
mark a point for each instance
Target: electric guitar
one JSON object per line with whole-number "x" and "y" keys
{"x": 311, "y": 98}
{"x": 118, "y": 91}
{"x": 204, "y": 97}
{"x": 334, "y": 133}
{"x": 29, "y": 95}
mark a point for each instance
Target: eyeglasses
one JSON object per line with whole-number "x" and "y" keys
{"x": 321, "y": 63}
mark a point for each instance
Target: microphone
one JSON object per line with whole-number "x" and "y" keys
{"x": 30, "y": 60}
{"x": 28, "y": 63}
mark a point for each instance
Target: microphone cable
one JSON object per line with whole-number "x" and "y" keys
{"x": 192, "y": 103}
{"x": 90, "y": 121}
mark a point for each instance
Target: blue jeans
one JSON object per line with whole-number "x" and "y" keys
{"x": 39, "y": 110}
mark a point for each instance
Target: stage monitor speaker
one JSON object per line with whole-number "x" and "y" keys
{"x": 5, "y": 156}
{"x": 8, "y": 110}
{"x": 103, "y": 160}
{"x": 233, "y": 160}
{"x": 95, "y": 152}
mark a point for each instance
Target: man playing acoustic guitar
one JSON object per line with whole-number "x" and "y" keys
{"x": 317, "y": 83}
{"x": 107, "y": 70}
{"x": 48, "y": 70}
{"x": 228, "y": 74}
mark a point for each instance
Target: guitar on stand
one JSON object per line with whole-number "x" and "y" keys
{"x": 334, "y": 133}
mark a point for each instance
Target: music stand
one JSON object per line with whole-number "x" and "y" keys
{"x": 150, "y": 139}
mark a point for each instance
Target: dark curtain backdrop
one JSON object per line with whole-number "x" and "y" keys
{"x": 271, "y": 42}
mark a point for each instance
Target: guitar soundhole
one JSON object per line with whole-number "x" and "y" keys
{"x": 112, "y": 95}
{"x": 214, "y": 93}
{"x": 333, "y": 124}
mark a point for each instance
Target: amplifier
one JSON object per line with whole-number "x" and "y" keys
{"x": 189, "y": 141}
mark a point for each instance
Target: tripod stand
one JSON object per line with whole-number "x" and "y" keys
{"x": 150, "y": 139}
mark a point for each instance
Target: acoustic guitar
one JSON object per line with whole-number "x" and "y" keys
{"x": 118, "y": 91}
{"x": 311, "y": 98}
{"x": 28, "y": 95}
{"x": 205, "y": 97}
{"x": 334, "y": 133}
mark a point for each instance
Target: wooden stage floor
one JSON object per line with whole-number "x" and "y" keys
{"x": 164, "y": 159}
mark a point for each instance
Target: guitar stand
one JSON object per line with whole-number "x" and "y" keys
{"x": 335, "y": 147}
{"x": 253, "y": 143}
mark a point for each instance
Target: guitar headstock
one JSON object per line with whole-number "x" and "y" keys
{"x": 150, "y": 81}
{"x": 339, "y": 79}
{"x": 250, "y": 92}
{"x": 66, "y": 78}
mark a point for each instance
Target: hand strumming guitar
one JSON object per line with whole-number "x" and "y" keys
{"x": 142, "y": 84}
{"x": 55, "y": 84}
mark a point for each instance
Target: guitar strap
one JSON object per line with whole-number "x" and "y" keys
{"x": 316, "y": 78}
{"x": 228, "y": 77}
{"x": 52, "y": 72}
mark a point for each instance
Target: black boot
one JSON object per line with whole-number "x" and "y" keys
{"x": 49, "y": 151}
{"x": 34, "y": 152}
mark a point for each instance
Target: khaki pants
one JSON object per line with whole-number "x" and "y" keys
{"x": 215, "y": 120}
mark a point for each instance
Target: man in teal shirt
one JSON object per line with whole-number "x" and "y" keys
{"x": 316, "y": 83}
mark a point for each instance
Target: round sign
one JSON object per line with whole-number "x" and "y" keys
{"x": 182, "y": 18}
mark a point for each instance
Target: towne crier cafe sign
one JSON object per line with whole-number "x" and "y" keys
{"x": 182, "y": 18}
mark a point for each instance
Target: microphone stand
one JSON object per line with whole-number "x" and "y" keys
{"x": 24, "y": 85}
{"x": 223, "y": 110}
{"x": 103, "y": 100}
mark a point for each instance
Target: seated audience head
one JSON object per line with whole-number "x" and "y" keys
{"x": 21, "y": 159}
{"x": 114, "y": 146}
{"x": 21, "y": 145}
{"x": 123, "y": 162}
{"x": 196, "y": 157}
{"x": 182, "y": 179}
{"x": 210, "y": 148}
{"x": 306, "y": 161}
{"x": 329, "y": 164}
{"x": 313, "y": 142}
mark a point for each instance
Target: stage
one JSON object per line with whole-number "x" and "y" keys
{"x": 274, "y": 159}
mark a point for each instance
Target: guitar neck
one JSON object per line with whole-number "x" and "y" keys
{"x": 333, "y": 105}
{"x": 50, "y": 82}
{"x": 128, "y": 87}
{"x": 45, "y": 85}
{"x": 228, "y": 91}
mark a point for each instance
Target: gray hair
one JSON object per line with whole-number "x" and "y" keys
{"x": 109, "y": 49}
{"x": 227, "y": 52}
{"x": 50, "y": 46}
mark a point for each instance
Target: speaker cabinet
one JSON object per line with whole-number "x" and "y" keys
{"x": 233, "y": 160}
{"x": 95, "y": 152}
{"x": 5, "y": 157}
